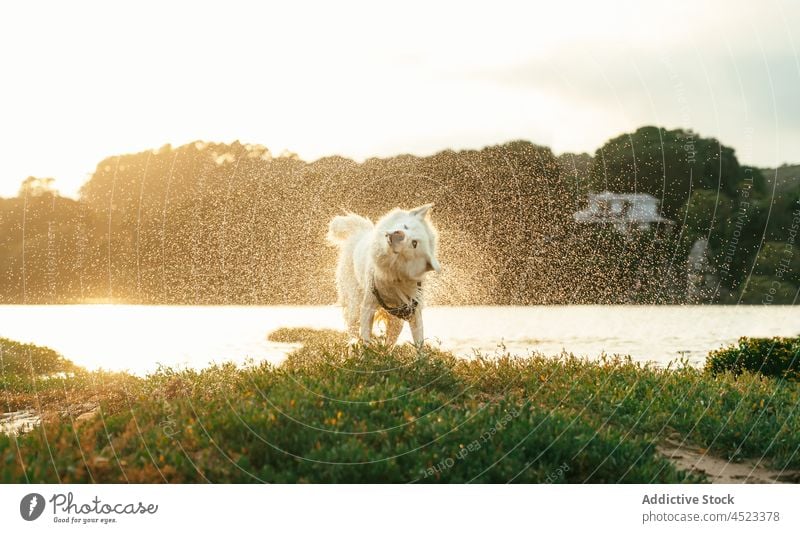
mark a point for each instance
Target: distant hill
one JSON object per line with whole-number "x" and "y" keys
{"x": 788, "y": 177}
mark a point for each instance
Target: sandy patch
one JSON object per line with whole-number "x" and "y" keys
{"x": 719, "y": 470}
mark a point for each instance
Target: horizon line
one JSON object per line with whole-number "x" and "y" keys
{"x": 286, "y": 152}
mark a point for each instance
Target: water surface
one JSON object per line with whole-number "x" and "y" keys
{"x": 139, "y": 338}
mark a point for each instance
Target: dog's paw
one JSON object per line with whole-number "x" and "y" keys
{"x": 355, "y": 346}
{"x": 421, "y": 347}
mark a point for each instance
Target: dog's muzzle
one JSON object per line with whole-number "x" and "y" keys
{"x": 396, "y": 237}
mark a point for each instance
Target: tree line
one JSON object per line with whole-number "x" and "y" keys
{"x": 213, "y": 223}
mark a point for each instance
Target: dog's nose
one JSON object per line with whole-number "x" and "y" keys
{"x": 396, "y": 237}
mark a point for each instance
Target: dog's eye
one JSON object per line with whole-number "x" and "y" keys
{"x": 414, "y": 244}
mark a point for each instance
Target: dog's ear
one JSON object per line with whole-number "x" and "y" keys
{"x": 421, "y": 211}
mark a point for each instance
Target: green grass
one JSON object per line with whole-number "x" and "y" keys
{"x": 334, "y": 413}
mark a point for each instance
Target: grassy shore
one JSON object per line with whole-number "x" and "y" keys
{"x": 332, "y": 413}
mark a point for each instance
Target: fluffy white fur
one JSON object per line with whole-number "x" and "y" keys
{"x": 394, "y": 255}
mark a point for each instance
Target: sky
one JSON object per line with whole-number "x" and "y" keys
{"x": 80, "y": 81}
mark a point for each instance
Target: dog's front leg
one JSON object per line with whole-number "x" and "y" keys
{"x": 368, "y": 308}
{"x": 415, "y": 322}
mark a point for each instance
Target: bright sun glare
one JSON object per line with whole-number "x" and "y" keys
{"x": 367, "y": 78}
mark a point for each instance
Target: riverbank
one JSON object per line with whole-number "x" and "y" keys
{"x": 332, "y": 413}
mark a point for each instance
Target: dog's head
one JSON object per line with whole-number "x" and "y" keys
{"x": 411, "y": 239}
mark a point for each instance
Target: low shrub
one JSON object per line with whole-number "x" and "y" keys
{"x": 17, "y": 358}
{"x": 775, "y": 357}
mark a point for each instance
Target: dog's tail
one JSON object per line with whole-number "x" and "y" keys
{"x": 343, "y": 227}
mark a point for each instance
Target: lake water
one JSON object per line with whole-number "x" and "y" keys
{"x": 139, "y": 338}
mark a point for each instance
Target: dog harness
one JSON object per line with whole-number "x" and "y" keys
{"x": 403, "y": 312}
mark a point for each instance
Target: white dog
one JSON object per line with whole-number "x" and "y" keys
{"x": 381, "y": 270}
